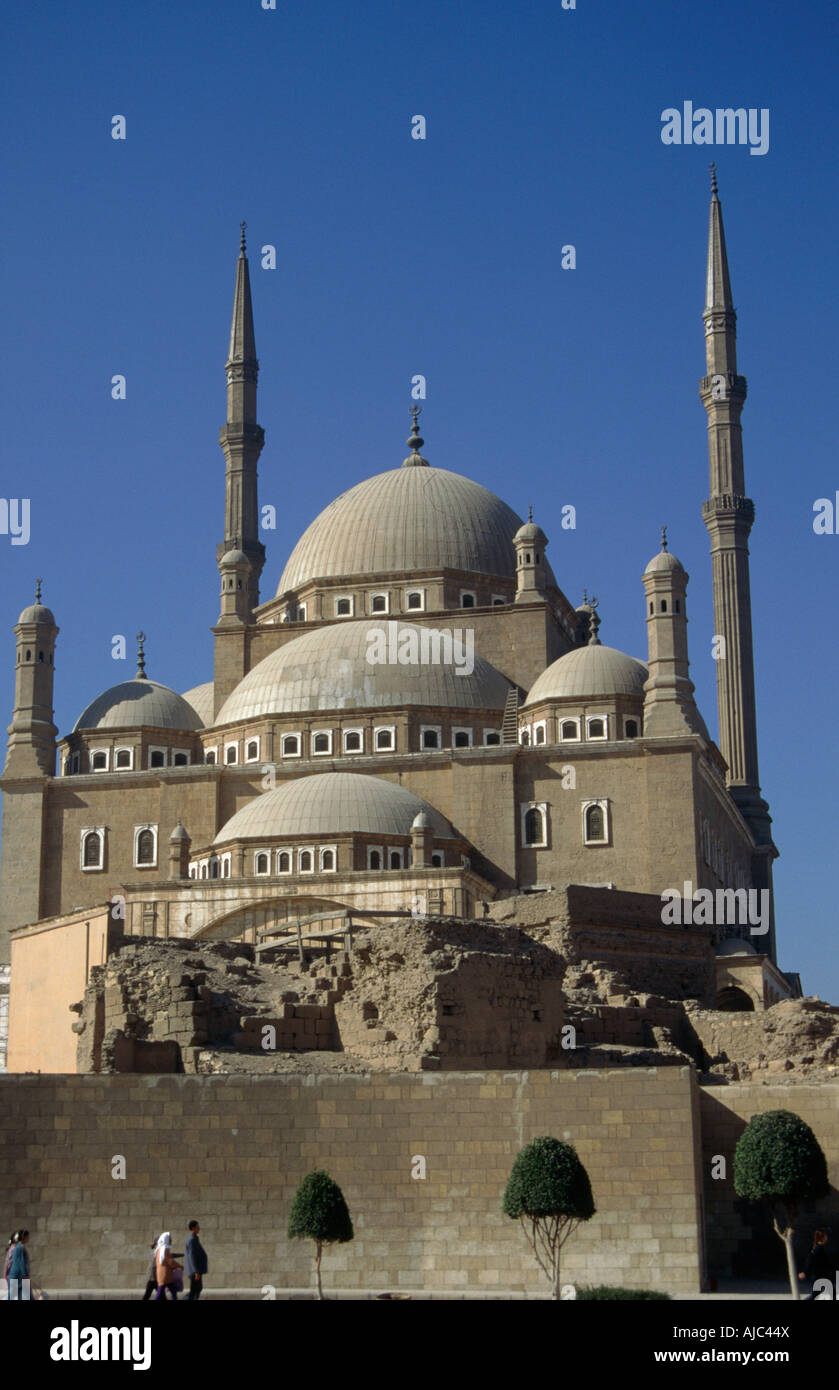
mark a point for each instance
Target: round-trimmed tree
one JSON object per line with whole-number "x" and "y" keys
{"x": 320, "y": 1213}
{"x": 549, "y": 1191}
{"x": 778, "y": 1160}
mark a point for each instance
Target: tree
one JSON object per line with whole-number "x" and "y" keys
{"x": 320, "y": 1212}
{"x": 549, "y": 1191}
{"x": 778, "y": 1160}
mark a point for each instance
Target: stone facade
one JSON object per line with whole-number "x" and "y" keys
{"x": 243, "y": 1145}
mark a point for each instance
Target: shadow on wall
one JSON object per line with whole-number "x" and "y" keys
{"x": 740, "y": 1237}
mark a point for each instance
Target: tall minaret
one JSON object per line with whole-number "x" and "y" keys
{"x": 728, "y": 515}
{"x": 32, "y": 733}
{"x": 241, "y": 437}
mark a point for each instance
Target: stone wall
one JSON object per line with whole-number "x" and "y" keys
{"x": 230, "y": 1152}
{"x": 740, "y": 1235}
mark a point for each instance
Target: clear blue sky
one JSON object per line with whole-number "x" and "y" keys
{"x": 399, "y": 256}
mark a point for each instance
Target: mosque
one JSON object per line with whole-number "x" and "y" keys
{"x": 416, "y": 719}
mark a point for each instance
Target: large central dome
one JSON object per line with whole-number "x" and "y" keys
{"x": 406, "y": 520}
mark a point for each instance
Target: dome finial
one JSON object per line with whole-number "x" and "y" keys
{"x": 594, "y": 624}
{"x": 141, "y": 659}
{"x": 530, "y": 511}
{"x": 38, "y": 583}
{"x": 242, "y": 226}
{"x": 415, "y": 442}
{"x": 664, "y": 537}
{"x": 714, "y": 190}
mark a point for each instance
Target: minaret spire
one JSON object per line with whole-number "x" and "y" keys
{"x": 241, "y": 437}
{"x": 728, "y": 516}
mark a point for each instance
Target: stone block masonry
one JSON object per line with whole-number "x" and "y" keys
{"x": 230, "y": 1152}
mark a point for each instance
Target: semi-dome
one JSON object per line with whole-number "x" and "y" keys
{"x": 331, "y": 803}
{"x": 407, "y": 520}
{"x": 138, "y": 702}
{"x": 328, "y": 669}
{"x": 234, "y": 557}
{"x": 201, "y": 697}
{"x": 591, "y": 671}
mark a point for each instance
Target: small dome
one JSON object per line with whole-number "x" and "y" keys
{"x": 736, "y": 946}
{"x": 37, "y": 613}
{"x": 201, "y": 697}
{"x": 234, "y": 557}
{"x": 179, "y": 833}
{"x": 331, "y": 803}
{"x": 421, "y": 821}
{"x": 664, "y": 561}
{"x": 404, "y": 521}
{"x": 532, "y": 533}
{"x": 328, "y": 669}
{"x": 589, "y": 671}
{"x": 136, "y": 703}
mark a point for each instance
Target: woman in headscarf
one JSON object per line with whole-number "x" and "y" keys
{"x": 165, "y": 1267}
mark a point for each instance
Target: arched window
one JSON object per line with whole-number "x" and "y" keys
{"x": 524, "y": 738}
{"x": 157, "y": 758}
{"x": 467, "y": 600}
{"x": 436, "y": 861}
{"x": 231, "y": 753}
{"x": 430, "y": 738}
{"x": 396, "y": 859}
{"x": 534, "y": 827}
{"x": 379, "y": 604}
{"x": 539, "y": 734}
{"x": 41, "y": 656}
{"x": 343, "y": 608}
{"x": 92, "y": 850}
{"x": 384, "y": 738}
{"x": 203, "y": 870}
{"x": 284, "y": 862}
{"x": 28, "y": 654}
{"x": 305, "y": 861}
{"x": 262, "y": 863}
{"x": 252, "y": 750}
{"x": 631, "y": 728}
{"x": 98, "y": 762}
{"x": 291, "y": 746}
{"x": 462, "y": 739}
{"x": 123, "y": 757}
{"x": 375, "y": 859}
{"x": 352, "y": 742}
{"x": 569, "y": 729}
{"x": 595, "y": 823}
{"x": 415, "y": 600}
{"x": 663, "y": 606}
{"x": 652, "y": 606}
{"x": 181, "y": 760}
{"x": 225, "y": 866}
{"x": 596, "y": 728}
{"x": 214, "y": 866}
{"x": 210, "y": 756}
{"x": 327, "y": 860}
{"x": 321, "y": 743}
{"x": 491, "y": 740}
{"x": 145, "y": 847}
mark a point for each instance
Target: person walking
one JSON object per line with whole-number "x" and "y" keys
{"x": 18, "y": 1265}
{"x": 195, "y": 1262}
{"x": 165, "y": 1268}
{"x": 151, "y": 1273}
{"x": 7, "y": 1258}
{"x": 819, "y": 1265}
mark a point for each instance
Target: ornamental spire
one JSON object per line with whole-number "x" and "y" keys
{"x": 141, "y": 659}
{"x": 415, "y": 441}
